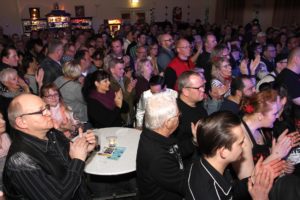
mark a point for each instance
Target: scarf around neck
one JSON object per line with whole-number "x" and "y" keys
{"x": 106, "y": 99}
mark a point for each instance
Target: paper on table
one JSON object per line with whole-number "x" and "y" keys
{"x": 117, "y": 153}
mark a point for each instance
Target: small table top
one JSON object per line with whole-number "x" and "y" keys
{"x": 126, "y": 137}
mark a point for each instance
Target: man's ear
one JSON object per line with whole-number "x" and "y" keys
{"x": 21, "y": 123}
{"x": 223, "y": 152}
{"x": 184, "y": 91}
{"x": 168, "y": 124}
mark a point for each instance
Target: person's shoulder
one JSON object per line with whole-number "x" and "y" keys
{"x": 216, "y": 83}
{"x": 286, "y": 187}
{"x": 172, "y": 92}
{"x": 162, "y": 51}
{"x": 46, "y": 61}
{"x": 21, "y": 161}
{"x": 174, "y": 60}
{"x": 197, "y": 175}
{"x": 59, "y": 81}
{"x": 286, "y": 72}
{"x": 286, "y": 75}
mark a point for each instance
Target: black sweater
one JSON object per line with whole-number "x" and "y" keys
{"x": 102, "y": 117}
{"x": 160, "y": 171}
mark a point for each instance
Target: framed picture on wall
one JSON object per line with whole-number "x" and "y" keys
{"x": 79, "y": 11}
{"x": 140, "y": 17}
{"x": 126, "y": 17}
{"x": 177, "y": 14}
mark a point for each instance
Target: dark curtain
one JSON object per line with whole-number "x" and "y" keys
{"x": 230, "y": 11}
{"x": 286, "y": 12}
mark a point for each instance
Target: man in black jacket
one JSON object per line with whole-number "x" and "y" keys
{"x": 191, "y": 87}
{"x": 160, "y": 171}
{"x": 41, "y": 162}
{"x": 51, "y": 64}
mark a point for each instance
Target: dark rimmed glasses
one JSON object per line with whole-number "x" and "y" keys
{"x": 196, "y": 88}
{"x": 41, "y": 112}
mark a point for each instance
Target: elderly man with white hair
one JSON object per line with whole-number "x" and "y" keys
{"x": 160, "y": 171}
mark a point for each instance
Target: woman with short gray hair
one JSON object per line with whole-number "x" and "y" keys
{"x": 12, "y": 84}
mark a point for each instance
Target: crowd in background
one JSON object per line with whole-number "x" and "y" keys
{"x": 102, "y": 79}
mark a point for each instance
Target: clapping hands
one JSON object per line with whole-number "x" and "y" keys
{"x": 119, "y": 98}
{"x": 82, "y": 145}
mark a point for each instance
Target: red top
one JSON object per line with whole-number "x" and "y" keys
{"x": 180, "y": 66}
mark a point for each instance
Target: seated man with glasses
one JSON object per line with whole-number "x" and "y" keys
{"x": 159, "y": 167}
{"x": 42, "y": 163}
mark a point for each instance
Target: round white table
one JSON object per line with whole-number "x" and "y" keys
{"x": 101, "y": 165}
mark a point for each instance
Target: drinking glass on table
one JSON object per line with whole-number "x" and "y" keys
{"x": 112, "y": 141}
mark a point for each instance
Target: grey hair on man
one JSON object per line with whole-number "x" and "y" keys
{"x": 159, "y": 108}
{"x": 183, "y": 80}
{"x": 53, "y": 45}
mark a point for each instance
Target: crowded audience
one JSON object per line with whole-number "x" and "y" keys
{"x": 218, "y": 108}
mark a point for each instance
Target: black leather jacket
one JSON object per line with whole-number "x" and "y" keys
{"x": 35, "y": 165}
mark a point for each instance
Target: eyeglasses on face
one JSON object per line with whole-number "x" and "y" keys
{"x": 185, "y": 47}
{"x": 169, "y": 40}
{"x": 202, "y": 87}
{"x": 51, "y": 96}
{"x": 41, "y": 112}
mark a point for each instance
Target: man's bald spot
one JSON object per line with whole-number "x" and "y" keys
{"x": 19, "y": 105}
{"x": 15, "y": 109}
{"x": 161, "y": 38}
{"x": 295, "y": 53}
{"x": 180, "y": 41}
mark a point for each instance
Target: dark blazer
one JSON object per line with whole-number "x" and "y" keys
{"x": 52, "y": 70}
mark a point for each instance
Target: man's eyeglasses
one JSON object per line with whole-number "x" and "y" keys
{"x": 283, "y": 62}
{"x": 196, "y": 88}
{"x": 169, "y": 40}
{"x": 185, "y": 47}
{"x": 41, "y": 112}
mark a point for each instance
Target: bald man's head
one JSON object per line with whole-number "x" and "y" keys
{"x": 293, "y": 55}
{"x": 183, "y": 48}
{"x": 28, "y": 105}
{"x": 14, "y": 110}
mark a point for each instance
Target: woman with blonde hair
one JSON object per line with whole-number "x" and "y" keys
{"x": 70, "y": 89}
{"x": 153, "y": 52}
{"x": 219, "y": 86}
{"x": 143, "y": 74}
{"x": 221, "y": 76}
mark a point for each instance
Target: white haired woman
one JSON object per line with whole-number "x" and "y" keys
{"x": 13, "y": 85}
